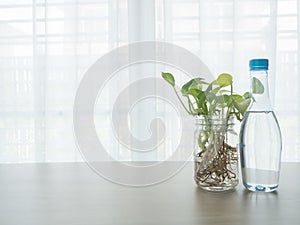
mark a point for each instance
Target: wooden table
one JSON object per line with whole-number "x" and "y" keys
{"x": 72, "y": 194}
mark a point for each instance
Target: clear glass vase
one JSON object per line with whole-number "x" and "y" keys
{"x": 215, "y": 154}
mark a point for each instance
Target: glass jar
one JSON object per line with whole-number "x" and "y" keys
{"x": 215, "y": 153}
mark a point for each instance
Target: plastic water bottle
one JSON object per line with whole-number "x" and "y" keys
{"x": 260, "y": 137}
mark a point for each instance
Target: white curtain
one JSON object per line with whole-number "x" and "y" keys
{"x": 47, "y": 45}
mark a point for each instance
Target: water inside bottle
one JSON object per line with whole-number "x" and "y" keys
{"x": 260, "y": 148}
{"x": 260, "y": 180}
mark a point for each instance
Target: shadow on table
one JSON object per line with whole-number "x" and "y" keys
{"x": 237, "y": 207}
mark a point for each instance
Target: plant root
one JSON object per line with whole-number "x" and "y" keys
{"x": 218, "y": 168}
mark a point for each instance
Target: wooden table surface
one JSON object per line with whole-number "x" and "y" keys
{"x": 72, "y": 194}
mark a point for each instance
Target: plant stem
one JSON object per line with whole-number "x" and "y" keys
{"x": 191, "y": 107}
{"x": 182, "y": 103}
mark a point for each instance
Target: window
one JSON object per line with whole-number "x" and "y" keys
{"x": 46, "y": 46}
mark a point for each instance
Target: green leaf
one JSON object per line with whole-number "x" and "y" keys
{"x": 242, "y": 106}
{"x": 210, "y": 97}
{"x": 201, "y": 97}
{"x": 193, "y": 92}
{"x": 226, "y": 99}
{"x": 224, "y": 91}
{"x": 224, "y": 79}
{"x": 216, "y": 90}
{"x": 195, "y": 83}
{"x": 198, "y": 80}
{"x": 223, "y": 100}
{"x": 237, "y": 98}
{"x": 169, "y": 78}
{"x": 209, "y": 90}
{"x": 209, "y": 87}
{"x": 247, "y": 95}
{"x": 257, "y": 86}
{"x": 185, "y": 88}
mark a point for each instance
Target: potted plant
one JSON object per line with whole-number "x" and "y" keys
{"x": 215, "y": 106}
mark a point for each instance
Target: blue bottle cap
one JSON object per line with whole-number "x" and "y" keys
{"x": 259, "y": 64}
